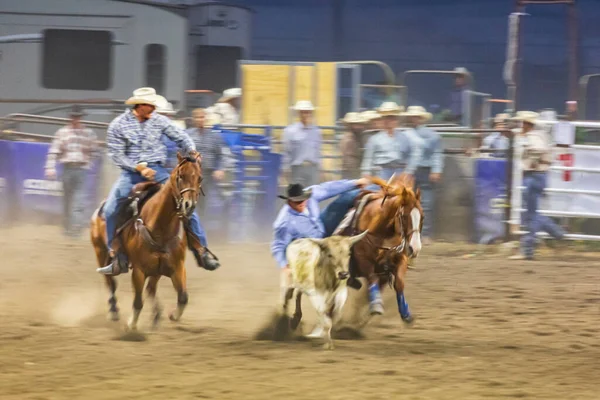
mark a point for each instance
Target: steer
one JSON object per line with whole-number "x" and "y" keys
{"x": 319, "y": 268}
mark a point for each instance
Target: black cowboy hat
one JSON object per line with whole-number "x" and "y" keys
{"x": 77, "y": 111}
{"x": 296, "y": 192}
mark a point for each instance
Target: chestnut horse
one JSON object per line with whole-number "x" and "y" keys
{"x": 394, "y": 219}
{"x": 156, "y": 243}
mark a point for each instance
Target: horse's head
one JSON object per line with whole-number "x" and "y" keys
{"x": 410, "y": 217}
{"x": 186, "y": 182}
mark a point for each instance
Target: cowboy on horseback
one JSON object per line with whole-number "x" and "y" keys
{"x": 135, "y": 145}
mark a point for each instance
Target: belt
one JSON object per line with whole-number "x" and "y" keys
{"x": 75, "y": 165}
{"x": 530, "y": 173}
{"x": 392, "y": 165}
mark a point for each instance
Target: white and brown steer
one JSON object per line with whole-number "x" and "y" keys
{"x": 319, "y": 268}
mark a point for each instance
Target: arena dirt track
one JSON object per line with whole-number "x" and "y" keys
{"x": 486, "y": 329}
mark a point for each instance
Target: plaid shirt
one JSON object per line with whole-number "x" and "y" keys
{"x": 210, "y": 146}
{"x": 72, "y": 146}
{"x": 131, "y": 142}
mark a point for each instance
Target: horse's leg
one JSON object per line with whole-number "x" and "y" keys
{"x": 179, "y": 283}
{"x": 137, "y": 279}
{"x": 399, "y": 286}
{"x": 113, "y": 311}
{"x": 375, "y": 300}
{"x": 298, "y": 312}
{"x": 151, "y": 292}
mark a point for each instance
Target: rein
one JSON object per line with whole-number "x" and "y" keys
{"x": 178, "y": 197}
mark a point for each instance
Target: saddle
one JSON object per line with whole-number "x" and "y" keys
{"x": 129, "y": 208}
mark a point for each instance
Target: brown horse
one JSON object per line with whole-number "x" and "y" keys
{"x": 155, "y": 243}
{"x": 394, "y": 219}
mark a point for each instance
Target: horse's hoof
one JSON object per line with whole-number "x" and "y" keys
{"x": 131, "y": 328}
{"x": 113, "y": 316}
{"x": 376, "y": 309}
{"x": 173, "y": 317}
{"x": 328, "y": 346}
{"x": 408, "y": 320}
{"x": 317, "y": 333}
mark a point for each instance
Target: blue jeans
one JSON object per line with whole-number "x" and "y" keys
{"x": 335, "y": 212}
{"x": 535, "y": 183}
{"x": 121, "y": 190}
{"x": 73, "y": 178}
{"x": 427, "y": 198}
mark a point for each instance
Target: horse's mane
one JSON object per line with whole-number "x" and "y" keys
{"x": 394, "y": 194}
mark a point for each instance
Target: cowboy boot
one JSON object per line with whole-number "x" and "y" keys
{"x": 118, "y": 264}
{"x": 205, "y": 259}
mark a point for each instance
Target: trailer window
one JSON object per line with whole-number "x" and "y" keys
{"x": 77, "y": 59}
{"x": 156, "y": 66}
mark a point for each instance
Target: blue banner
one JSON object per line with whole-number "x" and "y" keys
{"x": 33, "y": 191}
{"x": 6, "y": 187}
{"x": 490, "y": 199}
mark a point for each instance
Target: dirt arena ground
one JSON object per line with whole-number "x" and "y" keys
{"x": 486, "y": 328}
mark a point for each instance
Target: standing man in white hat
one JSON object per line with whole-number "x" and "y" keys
{"x": 430, "y": 164}
{"x": 391, "y": 151}
{"x": 134, "y": 141}
{"x": 352, "y": 144}
{"x": 302, "y": 147}
{"x": 536, "y": 159}
{"x": 74, "y": 147}
{"x": 228, "y": 106}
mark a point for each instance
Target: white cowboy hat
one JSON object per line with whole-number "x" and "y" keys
{"x": 389, "y": 108}
{"x": 145, "y": 95}
{"x": 500, "y": 118}
{"x": 304, "y": 105}
{"x": 461, "y": 70}
{"x": 526, "y": 116}
{"x": 163, "y": 106}
{"x": 370, "y": 115}
{"x": 353, "y": 118}
{"x": 229, "y": 94}
{"x": 417, "y": 111}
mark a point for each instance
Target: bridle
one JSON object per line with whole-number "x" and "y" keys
{"x": 178, "y": 193}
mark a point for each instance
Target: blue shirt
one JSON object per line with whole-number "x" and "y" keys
{"x": 411, "y": 149}
{"x": 291, "y": 225}
{"x": 171, "y": 151}
{"x": 209, "y": 144}
{"x": 301, "y": 144}
{"x": 131, "y": 142}
{"x": 432, "y": 156}
{"x": 496, "y": 141}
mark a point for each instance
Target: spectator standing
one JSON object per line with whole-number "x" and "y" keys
{"x": 302, "y": 147}
{"x": 73, "y": 148}
{"x": 499, "y": 140}
{"x": 351, "y": 145}
{"x": 228, "y": 106}
{"x": 536, "y": 158}
{"x": 209, "y": 144}
{"x": 457, "y": 95}
{"x": 430, "y": 163}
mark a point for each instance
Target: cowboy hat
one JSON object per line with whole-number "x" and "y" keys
{"x": 303, "y": 105}
{"x": 370, "y": 115}
{"x": 297, "y": 193}
{"x": 77, "y": 111}
{"x": 353, "y": 118}
{"x": 145, "y": 95}
{"x": 417, "y": 111}
{"x": 163, "y": 106}
{"x": 390, "y": 109}
{"x": 500, "y": 118}
{"x": 461, "y": 71}
{"x": 526, "y": 116}
{"x": 229, "y": 94}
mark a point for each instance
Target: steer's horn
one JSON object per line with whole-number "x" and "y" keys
{"x": 391, "y": 179}
{"x": 358, "y": 238}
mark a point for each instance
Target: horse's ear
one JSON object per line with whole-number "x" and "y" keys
{"x": 418, "y": 194}
{"x": 179, "y": 157}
